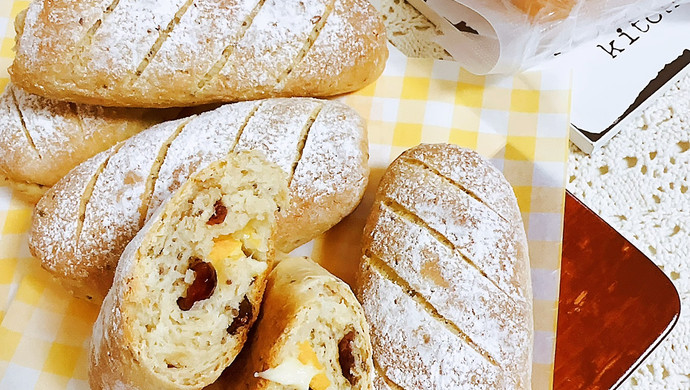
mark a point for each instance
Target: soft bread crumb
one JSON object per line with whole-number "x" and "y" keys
{"x": 309, "y": 319}
{"x": 188, "y": 346}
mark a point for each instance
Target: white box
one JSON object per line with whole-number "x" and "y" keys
{"x": 615, "y": 76}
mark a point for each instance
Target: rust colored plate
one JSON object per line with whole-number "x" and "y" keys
{"x": 615, "y": 305}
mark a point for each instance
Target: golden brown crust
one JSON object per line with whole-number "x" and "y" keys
{"x": 83, "y": 224}
{"x": 144, "y": 337}
{"x": 190, "y": 52}
{"x": 303, "y": 303}
{"x": 319, "y": 203}
{"x": 28, "y": 192}
{"x": 445, "y": 248}
{"x": 42, "y": 139}
{"x": 58, "y": 229}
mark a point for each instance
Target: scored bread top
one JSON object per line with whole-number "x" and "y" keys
{"x": 414, "y": 350}
{"x": 188, "y": 52}
{"x": 155, "y": 328}
{"x": 43, "y": 139}
{"x": 322, "y": 146}
{"x": 445, "y": 241}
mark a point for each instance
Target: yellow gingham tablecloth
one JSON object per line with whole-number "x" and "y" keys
{"x": 520, "y": 123}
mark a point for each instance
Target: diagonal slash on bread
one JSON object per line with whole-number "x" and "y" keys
{"x": 174, "y": 53}
{"x": 444, "y": 280}
{"x": 43, "y": 139}
{"x": 189, "y": 285}
{"x": 82, "y": 225}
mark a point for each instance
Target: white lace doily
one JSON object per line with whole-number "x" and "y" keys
{"x": 639, "y": 183}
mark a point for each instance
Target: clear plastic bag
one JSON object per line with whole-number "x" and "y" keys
{"x": 505, "y": 36}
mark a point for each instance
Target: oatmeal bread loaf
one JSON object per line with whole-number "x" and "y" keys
{"x": 546, "y": 10}
{"x": 311, "y": 334}
{"x": 445, "y": 250}
{"x": 189, "y": 286}
{"x": 82, "y": 225}
{"x": 43, "y": 139}
{"x": 172, "y": 53}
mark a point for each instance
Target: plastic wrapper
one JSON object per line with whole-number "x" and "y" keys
{"x": 505, "y": 36}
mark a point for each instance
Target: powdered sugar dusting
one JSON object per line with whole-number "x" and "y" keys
{"x": 202, "y": 34}
{"x": 205, "y": 139}
{"x": 276, "y": 36}
{"x": 349, "y": 30}
{"x": 337, "y": 150}
{"x": 276, "y": 130}
{"x": 472, "y": 172}
{"x": 28, "y": 45}
{"x": 50, "y": 123}
{"x": 333, "y": 171}
{"x": 477, "y": 232}
{"x": 180, "y": 52}
{"x": 16, "y": 145}
{"x": 127, "y": 34}
{"x": 415, "y": 350}
{"x": 336, "y": 33}
{"x": 56, "y": 218}
{"x": 72, "y": 18}
{"x": 59, "y": 135}
{"x": 380, "y": 383}
{"x": 454, "y": 288}
{"x": 113, "y": 213}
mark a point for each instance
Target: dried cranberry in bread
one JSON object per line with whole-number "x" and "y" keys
{"x": 43, "y": 139}
{"x": 173, "y": 53}
{"x": 189, "y": 285}
{"x": 82, "y": 225}
{"x": 311, "y": 334}
{"x": 444, "y": 281}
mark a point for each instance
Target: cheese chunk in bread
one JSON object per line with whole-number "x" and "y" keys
{"x": 177, "y": 315}
{"x": 82, "y": 225}
{"x": 311, "y": 334}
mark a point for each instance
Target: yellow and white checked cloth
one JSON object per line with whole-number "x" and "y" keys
{"x": 520, "y": 123}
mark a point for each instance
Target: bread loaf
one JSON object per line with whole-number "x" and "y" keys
{"x": 445, "y": 282}
{"x": 83, "y": 223}
{"x": 42, "y": 139}
{"x": 546, "y": 10}
{"x": 311, "y": 334}
{"x": 189, "y": 286}
{"x": 171, "y": 53}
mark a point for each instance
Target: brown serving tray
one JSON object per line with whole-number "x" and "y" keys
{"x": 615, "y": 305}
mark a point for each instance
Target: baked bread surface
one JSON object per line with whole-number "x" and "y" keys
{"x": 445, "y": 280}
{"x": 43, "y": 139}
{"x": 311, "y": 333}
{"x": 82, "y": 225}
{"x": 189, "y": 285}
{"x": 546, "y": 11}
{"x": 169, "y": 53}
{"x": 28, "y": 192}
